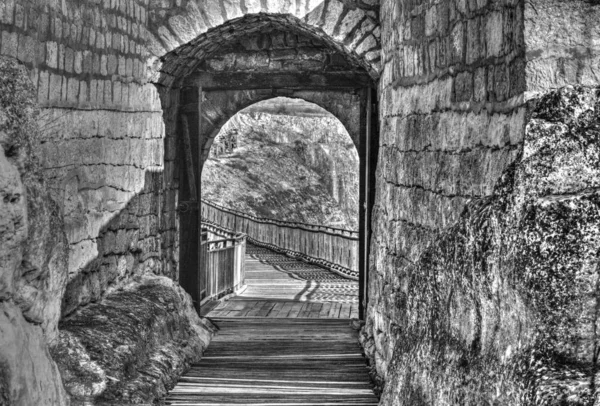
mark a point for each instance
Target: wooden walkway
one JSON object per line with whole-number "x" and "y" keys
{"x": 287, "y": 341}
{"x": 281, "y": 287}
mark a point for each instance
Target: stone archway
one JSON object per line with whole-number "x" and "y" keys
{"x": 344, "y": 105}
{"x": 201, "y": 125}
{"x": 180, "y": 32}
{"x": 256, "y": 57}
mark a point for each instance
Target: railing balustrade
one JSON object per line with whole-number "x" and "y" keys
{"x": 330, "y": 247}
{"x": 221, "y": 263}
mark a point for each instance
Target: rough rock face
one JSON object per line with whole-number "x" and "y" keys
{"x": 28, "y": 376}
{"x": 32, "y": 253}
{"x": 132, "y": 346}
{"x": 287, "y": 160}
{"x": 502, "y": 307}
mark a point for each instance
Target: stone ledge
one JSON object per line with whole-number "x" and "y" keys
{"x": 133, "y": 346}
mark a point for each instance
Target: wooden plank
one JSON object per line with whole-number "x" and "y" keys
{"x": 354, "y": 311}
{"x": 295, "y": 310}
{"x": 276, "y": 309}
{"x": 304, "y": 311}
{"x": 345, "y": 311}
{"x": 335, "y": 310}
{"x": 278, "y": 362}
{"x": 189, "y": 161}
{"x": 286, "y": 309}
{"x": 281, "y": 343}
{"x": 324, "y": 313}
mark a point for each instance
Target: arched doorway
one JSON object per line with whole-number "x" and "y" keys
{"x": 275, "y": 58}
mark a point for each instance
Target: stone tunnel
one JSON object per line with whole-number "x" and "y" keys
{"x": 477, "y": 125}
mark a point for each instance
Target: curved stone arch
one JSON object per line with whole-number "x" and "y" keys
{"x": 222, "y": 106}
{"x": 182, "y": 36}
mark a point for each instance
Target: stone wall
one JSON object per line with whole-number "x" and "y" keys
{"x": 455, "y": 74}
{"x": 452, "y": 120}
{"x": 449, "y": 319}
{"x": 106, "y": 145}
{"x": 502, "y": 307}
{"x": 101, "y": 125}
{"x": 100, "y": 212}
{"x": 277, "y": 51}
{"x": 563, "y": 44}
{"x": 196, "y": 29}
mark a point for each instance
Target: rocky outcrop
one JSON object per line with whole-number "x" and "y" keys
{"x": 32, "y": 253}
{"x": 288, "y": 160}
{"x": 132, "y": 346}
{"x": 129, "y": 347}
{"x": 28, "y": 375}
{"x": 502, "y": 307}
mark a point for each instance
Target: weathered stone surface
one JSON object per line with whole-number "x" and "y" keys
{"x": 501, "y": 308}
{"x": 451, "y": 123}
{"x": 133, "y": 345}
{"x": 357, "y": 44}
{"x": 28, "y": 375}
{"x": 13, "y": 230}
{"x": 32, "y": 253}
{"x": 563, "y": 44}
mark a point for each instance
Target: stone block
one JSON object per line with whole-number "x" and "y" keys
{"x": 112, "y": 64}
{"x": 93, "y": 92}
{"x": 501, "y": 82}
{"x": 431, "y": 21}
{"x": 282, "y": 54}
{"x": 517, "y": 77}
{"x": 83, "y": 92}
{"x": 43, "y": 87}
{"x": 55, "y": 89}
{"x": 252, "y": 61}
{"x": 443, "y": 16}
{"x": 129, "y": 67}
{"x": 78, "y": 62}
{"x": 104, "y": 65}
{"x": 474, "y": 41}
{"x": 457, "y": 44}
{"x": 122, "y": 66}
{"x": 10, "y": 43}
{"x": 51, "y": 54}
{"x": 493, "y": 34}
{"x": 20, "y": 17}
{"x": 61, "y": 57}
{"x": 7, "y": 11}
{"x": 100, "y": 40}
{"x": 305, "y": 53}
{"x": 278, "y": 41}
{"x": 107, "y": 99}
{"x": 480, "y": 85}
{"x": 27, "y": 49}
{"x": 69, "y": 59}
{"x": 432, "y": 56}
{"x": 73, "y": 90}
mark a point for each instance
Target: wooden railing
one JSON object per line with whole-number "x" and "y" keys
{"x": 329, "y": 247}
{"x": 222, "y": 264}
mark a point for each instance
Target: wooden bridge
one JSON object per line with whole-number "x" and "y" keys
{"x": 333, "y": 248}
{"x": 286, "y": 340}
